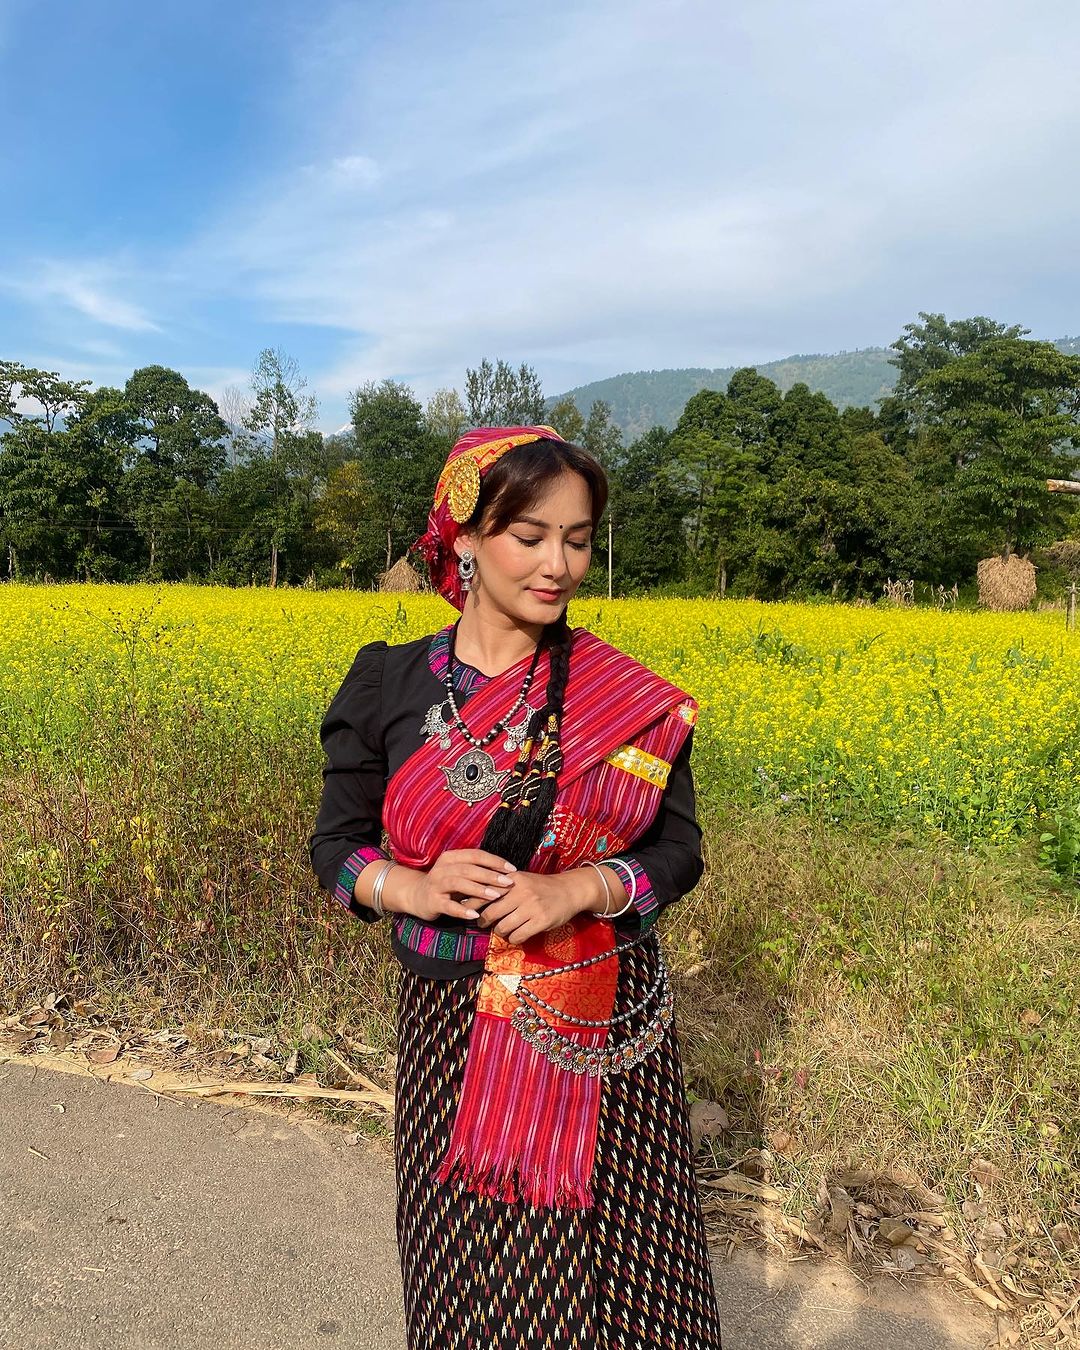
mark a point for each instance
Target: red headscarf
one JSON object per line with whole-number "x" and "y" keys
{"x": 456, "y": 495}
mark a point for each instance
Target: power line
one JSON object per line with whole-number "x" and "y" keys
{"x": 127, "y": 525}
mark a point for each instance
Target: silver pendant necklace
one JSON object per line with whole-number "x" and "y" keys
{"x": 436, "y": 723}
{"x": 473, "y": 776}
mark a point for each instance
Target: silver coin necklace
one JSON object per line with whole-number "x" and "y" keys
{"x": 473, "y": 776}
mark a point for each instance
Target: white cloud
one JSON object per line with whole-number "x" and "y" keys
{"x": 655, "y": 184}
{"x": 358, "y": 170}
{"x": 637, "y": 184}
{"x": 89, "y": 288}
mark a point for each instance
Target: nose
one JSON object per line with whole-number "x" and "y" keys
{"x": 554, "y": 560}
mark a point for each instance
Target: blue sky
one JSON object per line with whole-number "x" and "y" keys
{"x": 401, "y": 189}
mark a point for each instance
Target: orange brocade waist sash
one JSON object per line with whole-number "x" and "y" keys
{"x": 525, "y": 1126}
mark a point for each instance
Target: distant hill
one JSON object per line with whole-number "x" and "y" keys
{"x": 650, "y": 398}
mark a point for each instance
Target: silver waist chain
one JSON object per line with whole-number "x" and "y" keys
{"x": 597, "y": 1061}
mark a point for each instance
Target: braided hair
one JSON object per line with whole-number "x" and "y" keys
{"x": 515, "y": 830}
{"x": 508, "y": 490}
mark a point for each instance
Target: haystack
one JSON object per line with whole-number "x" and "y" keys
{"x": 1065, "y": 553}
{"x": 1006, "y": 583}
{"x": 401, "y": 577}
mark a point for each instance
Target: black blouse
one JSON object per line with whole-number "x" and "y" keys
{"x": 376, "y": 721}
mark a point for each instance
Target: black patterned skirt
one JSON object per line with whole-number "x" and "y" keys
{"x": 632, "y": 1273}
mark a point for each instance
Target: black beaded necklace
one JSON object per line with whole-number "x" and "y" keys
{"x": 503, "y": 722}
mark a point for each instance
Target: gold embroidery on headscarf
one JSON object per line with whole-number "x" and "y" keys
{"x": 463, "y": 487}
{"x": 462, "y": 472}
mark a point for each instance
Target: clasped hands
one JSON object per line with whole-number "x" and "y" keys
{"x": 481, "y": 887}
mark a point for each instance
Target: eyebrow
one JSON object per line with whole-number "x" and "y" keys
{"x": 543, "y": 525}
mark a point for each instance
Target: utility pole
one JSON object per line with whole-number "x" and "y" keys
{"x": 609, "y": 556}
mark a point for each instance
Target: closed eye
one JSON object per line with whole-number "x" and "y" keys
{"x": 531, "y": 543}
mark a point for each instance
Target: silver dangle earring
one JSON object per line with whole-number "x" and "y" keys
{"x": 466, "y": 569}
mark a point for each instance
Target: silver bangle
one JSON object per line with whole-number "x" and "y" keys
{"x": 608, "y": 913}
{"x": 608, "y": 897}
{"x": 618, "y": 862}
{"x": 377, "y": 889}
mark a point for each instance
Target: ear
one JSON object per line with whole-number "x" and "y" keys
{"x": 465, "y": 539}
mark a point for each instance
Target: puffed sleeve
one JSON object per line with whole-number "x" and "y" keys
{"x": 666, "y": 859}
{"x": 348, "y": 827}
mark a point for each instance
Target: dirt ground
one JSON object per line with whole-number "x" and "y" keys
{"x": 137, "y": 1214}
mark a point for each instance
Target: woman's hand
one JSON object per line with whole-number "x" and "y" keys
{"x": 537, "y": 902}
{"x": 469, "y": 874}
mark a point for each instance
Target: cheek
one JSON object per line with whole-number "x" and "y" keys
{"x": 510, "y": 560}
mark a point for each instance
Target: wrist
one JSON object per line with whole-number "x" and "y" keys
{"x": 397, "y": 889}
{"x": 593, "y": 897}
{"x": 395, "y": 886}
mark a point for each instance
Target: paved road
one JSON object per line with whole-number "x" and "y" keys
{"x": 171, "y": 1223}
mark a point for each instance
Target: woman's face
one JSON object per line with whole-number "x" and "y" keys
{"x": 532, "y": 569}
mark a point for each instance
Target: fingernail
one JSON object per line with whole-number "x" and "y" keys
{"x": 510, "y": 867}
{"x": 472, "y": 914}
{"x": 491, "y": 892}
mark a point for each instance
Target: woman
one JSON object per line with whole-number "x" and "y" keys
{"x": 535, "y": 790}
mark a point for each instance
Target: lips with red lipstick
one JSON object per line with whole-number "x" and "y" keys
{"x": 550, "y": 596}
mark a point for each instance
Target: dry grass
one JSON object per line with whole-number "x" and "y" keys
{"x": 402, "y": 578}
{"x": 874, "y": 1005}
{"x": 1006, "y": 583}
{"x": 861, "y": 1005}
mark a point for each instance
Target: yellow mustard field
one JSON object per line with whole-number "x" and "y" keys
{"x": 964, "y": 722}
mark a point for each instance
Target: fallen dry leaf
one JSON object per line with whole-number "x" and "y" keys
{"x": 782, "y": 1142}
{"x": 841, "y": 1207}
{"x": 983, "y": 1171}
{"x": 707, "y": 1119}
{"x": 894, "y": 1231}
{"x": 105, "y": 1055}
{"x": 359, "y": 1047}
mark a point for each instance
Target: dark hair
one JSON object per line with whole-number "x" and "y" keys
{"x": 510, "y": 488}
{"x": 518, "y": 479}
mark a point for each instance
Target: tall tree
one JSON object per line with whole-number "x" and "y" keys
{"x": 282, "y": 410}
{"x": 399, "y": 459}
{"x": 499, "y": 396}
{"x": 341, "y": 512}
{"x": 601, "y": 437}
{"x": 647, "y": 507}
{"x": 1008, "y": 415}
{"x": 920, "y": 350}
{"x": 809, "y": 435}
{"x": 445, "y": 417}
{"x": 933, "y": 344}
{"x": 753, "y": 402}
{"x": 566, "y": 418}
{"x": 716, "y": 470}
{"x": 181, "y": 430}
{"x": 181, "y": 436}
{"x": 42, "y": 497}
